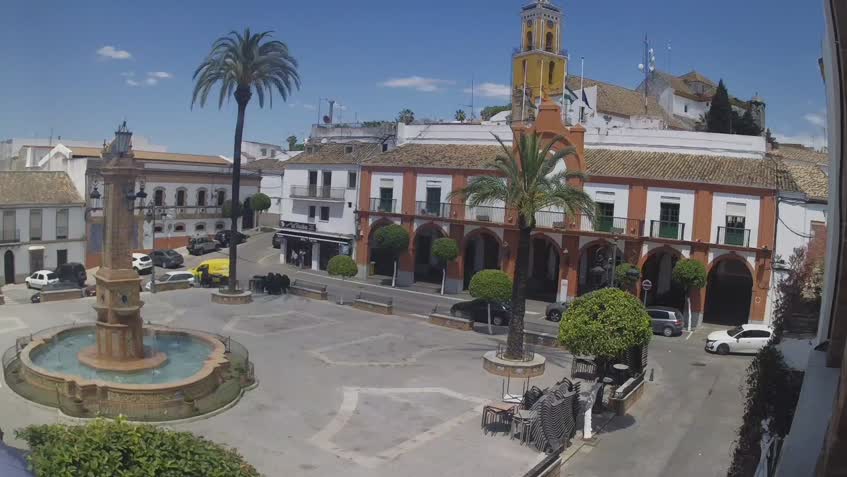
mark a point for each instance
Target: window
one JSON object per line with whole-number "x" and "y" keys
{"x": 201, "y": 198}
{"x": 604, "y": 219}
{"x": 669, "y": 226}
{"x": 433, "y": 198}
{"x": 199, "y": 227}
{"x": 758, "y": 334}
{"x": 386, "y": 196}
{"x": 528, "y": 45}
{"x": 324, "y": 214}
{"x": 61, "y": 224}
{"x": 219, "y": 226}
{"x": 351, "y": 180}
{"x": 384, "y": 147}
{"x": 180, "y": 198}
{"x": 582, "y": 114}
{"x": 348, "y": 149}
{"x": 273, "y": 153}
{"x": 550, "y": 72}
{"x": 221, "y": 197}
{"x": 35, "y": 224}
{"x": 159, "y": 197}
{"x": 548, "y": 43}
{"x": 9, "y": 229}
{"x": 264, "y": 152}
{"x": 657, "y": 314}
{"x": 61, "y": 257}
{"x": 734, "y": 234}
{"x": 179, "y": 228}
{"x": 158, "y": 229}
{"x": 312, "y": 213}
{"x": 685, "y": 108}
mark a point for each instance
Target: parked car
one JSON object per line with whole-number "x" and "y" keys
{"x": 665, "y": 320}
{"x": 741, "y": 339}
{"x": 41, "y": 278}
{"x": 171, "y": 277}
{"x": 60, "y": 285}
{"x": 217, "y": 270}
{"x": 71, "y": 272}
{"x": 477, "y": 310}
{"x": 224, "y": 237}
{"x": 201, "y": 246}
{"x": 554, "y": 311}
{"x": 167, "y": 258}
{"x": 141, "y": 263}
{"x": 276, "y": 239}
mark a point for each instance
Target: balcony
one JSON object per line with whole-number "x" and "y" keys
{"x": 315, "y": 192}
{"x": 666, "y": 229}
{"x": 550, "y": 220}
{"x": 486, "y": 214}
{"x": 10, "y": 236}
{"x": 434, "y": 209}
{"x": 733, "y": 236}
{"x": 194, "y": 212}
{"x": 384, "y": 205}
{"x": 609, "y": 225}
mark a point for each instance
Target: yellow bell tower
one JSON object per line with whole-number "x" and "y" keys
{"x": 539, "y": 65}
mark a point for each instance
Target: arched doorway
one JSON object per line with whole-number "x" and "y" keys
{"x": 427, "y": 267}
{"x": 729, "y": 291}
{"x": 658, "y": 268}
{"x": 544, "y": 257}
{"x": 481, "y": 252}
{"x": 9, "y": 266}
{"x": 595, "y": 266}
{"x": 382, "y": 260}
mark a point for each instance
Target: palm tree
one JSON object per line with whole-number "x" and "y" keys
{"x": 530, "y": 186}
{"x": 241, "y": 64}
{"x": 460, "y": 115}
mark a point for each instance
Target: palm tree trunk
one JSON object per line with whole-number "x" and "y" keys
{"x": 514, "y": 343}
{"x": 242, "y": 97}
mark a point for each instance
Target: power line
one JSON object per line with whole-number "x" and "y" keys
{"x": 793, "y": 231}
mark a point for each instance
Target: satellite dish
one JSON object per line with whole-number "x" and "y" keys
{"x": 327, "y": 120}
{"x": 324, "y": 141}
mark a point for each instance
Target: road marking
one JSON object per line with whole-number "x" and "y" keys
{"x": 531, "y": 313}
{"x": 274, "y": 254}
{"x": 419, "y": 315}
{"x": 689, "y": 335}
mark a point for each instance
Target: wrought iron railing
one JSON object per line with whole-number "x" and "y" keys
{"x": 10, "y": 235}
{"x": 734, "y": 236}
{"x": 383, "y": 205}
{"x": 484, "y": 213}
{"x": 667, "y": 229}
{"x": 434, "y": 209}
{"x": 609, "y": 225}
{"x": 549, "y": 219}
{"x": 317, "y": 192}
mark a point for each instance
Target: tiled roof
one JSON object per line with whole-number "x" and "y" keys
{"x": 334, "y": 153}
{"x": 800, "y": 154}
{"x": 682, "y": 85}
{"x": 810, "y": 180}
{"x": 764, "y": 173}
{"x": 451, "y": 156}
{"x": 157, "y": 156}
{"x": 37, "y": 188}
{"x": 265, "y": 165}
{"x": 695, "y": 76}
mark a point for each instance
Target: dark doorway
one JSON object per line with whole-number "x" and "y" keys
{"x": 247, "y": 219}
{"x": 664, "y": 292}
{"x": 382, "y": 260}
{"x": 729, "y": 291}
{"x": 299, "y": 252}
{"x": 427, "y": 268}
{"x": 482, "y": 252}
{"x": 61, "y": 257}
{"x": 544, "y": 270}
{"x": 36, "y": 260}
{"x": 9, "y": 266}
{"x": 327, "y": 251}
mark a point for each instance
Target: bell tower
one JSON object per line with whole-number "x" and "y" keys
{"x": 539, "y": 65}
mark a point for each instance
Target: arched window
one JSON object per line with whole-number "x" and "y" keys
{"x": 180, "y": 198}
{"x": 528, "y": 40}
{"x": 201, "y": 198}
{"x": 548, "y": 43}
{"x": 158, "y": 229}
{"x": 550, "y": 72}
{"x": 179, "y": 228}
{"x": 199, "y": 227}
{"x": 159, "y": 196}
{"x": 221, "y": 197}
{"x": 219, "y": 226}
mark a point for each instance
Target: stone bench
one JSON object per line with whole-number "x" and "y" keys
{"x": 541, "y": 339}
{"x": 626, "y": 395}
{"x": 375, "y": 304}
{"x": 58, "y": 295}
{"x": 314, "y": 291}
{"x": 448, "y": 321}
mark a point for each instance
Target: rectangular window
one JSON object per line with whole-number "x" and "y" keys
{"x": 311, "y": 212}
{"x": 351, "y": 180}
{"x": 159, "y": 197}
{"x": 62, "y": 224}
{"x": 201, "y": 198}
{"x": 604, "y": 219}
{"x": 313, "y": 183}
{"x": 384, "y": 147}
{"x": 61, "y": 257}
{"x": 386, "y": 199}
{"x": 685, "y": 108}
{"x": 348, "y": 149}
{"x": 433, "y": 200}
{"x": 180, "y": 198}
{"x": 35, "y": 224}
{"x": 734, "y": 233}
{"x": 324, "y": 214}
{"x": 10, "y": 230}
{"x": 221, "y": 198}
{"x": 669, "y": 226}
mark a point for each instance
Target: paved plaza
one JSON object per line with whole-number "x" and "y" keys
{"x": 340, "y": 391}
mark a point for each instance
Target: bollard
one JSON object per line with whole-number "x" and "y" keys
{"x": 651, "y": 375}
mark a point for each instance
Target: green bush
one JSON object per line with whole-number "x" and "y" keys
{"x": 342, "y": 266}
{"x": 622, "y": 277}
{"x": 492, "y": 285}
{"x": 445, "y": 249}
{"x": 689, "y": 274}
{"x": 227, "y": 209}
{"x": 394, "y": 238}
{"x": 119, "y": 448}
{"x": 260, "y": 202}
{"x": 605, "y": 323}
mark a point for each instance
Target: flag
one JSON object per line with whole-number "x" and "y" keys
{"x": 570, "y": 94}
{"x": 585, "y": 99}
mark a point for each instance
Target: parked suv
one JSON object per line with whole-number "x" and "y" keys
{"x": 477, "y": 310}
{"x": 665, "y": 320}
{"x": 72, "y": 272}
{"x": 201, "y": 246}
{"x": 555, "y": 311}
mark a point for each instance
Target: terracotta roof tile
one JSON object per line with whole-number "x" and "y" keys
{"x": 450, "y": 156}
{"x": 810, "y": 180}
{"x": 614, "y": 99}
{"x": 266, "y": 165}
{"x": 157, "y": 156}
{"x": 334, "y": 153}
{"x": 37, "y": 188}
{"x": 800, "y": 154}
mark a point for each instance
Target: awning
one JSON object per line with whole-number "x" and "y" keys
{"x": 321, "y": 237}
{"x": 36, "y": 247}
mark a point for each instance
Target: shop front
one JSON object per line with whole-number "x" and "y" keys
{"x": 303, "y": 246}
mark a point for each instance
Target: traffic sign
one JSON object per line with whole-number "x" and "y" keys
{"x": 646, "y": 285}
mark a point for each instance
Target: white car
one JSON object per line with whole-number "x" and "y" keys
{"x": 41, "y": 278}
{"x": 741, "y": 339}
{"x": 173, "y": 277}
{"x": 142, "y": 263}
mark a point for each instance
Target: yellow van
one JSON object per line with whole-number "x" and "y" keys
{"x": 217, "y": 268}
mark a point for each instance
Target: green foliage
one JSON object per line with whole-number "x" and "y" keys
{"x": 719, "y": 116}
{"x": 292, "y": 141}
{"x": 770, "y": 139}
{"x": 623, "y": 278}
{"x": 342, "y": 266}
{"x": 689, "y": 274}
{"x": 460, "y": 115}
{"x": 798, "y": 293}
{"x": 772, "y": 391}
{"x": 605, "y": 323}
{"x": 745, "y": 124}
{"x": 260, "y": 202}
{"x": 489, "y": 111}
{"x": 119, "y": 448}
{"x": 227, "y": 209}
{"x": 492, "y": 285}
{"x": 406, "y": 116}
{"x": 445, "y": 249}
{"x": 376, "y": 124}
{"x": 393, "y": 237}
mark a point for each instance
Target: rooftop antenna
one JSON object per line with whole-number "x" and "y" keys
{"x": 647, "y": 67}
{"x": 669, "y": 56}
{"x": 471, "y": 116}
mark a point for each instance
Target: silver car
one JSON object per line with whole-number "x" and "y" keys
{"x": 555, "y": 310}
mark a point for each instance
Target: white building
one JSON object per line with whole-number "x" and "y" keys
{"x": 17, "y": 154}
{"x": 257, "y": 151}
{"x": 42, "y": 223}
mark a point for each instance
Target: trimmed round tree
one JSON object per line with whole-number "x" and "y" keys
{"x": 690, "y": 275}
{"x": 605, "y": 324}
{"x": 227, "y": 209}
{"x": 492, "y": 286}
{"x": 342, "y": 266}
{"x": 260, "y": 202}
{"x": 395, "y": 239}
{"x": 445, "y": 250}
{"x": 626, "y": 275}
{"x": 106, "y": 447}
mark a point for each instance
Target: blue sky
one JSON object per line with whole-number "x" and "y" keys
{"x": 80, "y": 69}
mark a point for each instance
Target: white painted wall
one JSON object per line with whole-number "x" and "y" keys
{"x": 751, "y": 208}
{"x": 793, "y": 228}
{"x": 444, "y": 181}
{"x": 397, "y": 181}
{"x": 341, "y": 214}
{"x": 610, "y": 193}
{"x": 684, "y": 142}
{"x": 686, "y": 207}
{"x": 695, "y": 108}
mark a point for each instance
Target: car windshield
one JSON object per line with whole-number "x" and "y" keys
{"x": 171, "y": 253}
{"x": 734, "y": 331}
{"x": 52, "y": 276}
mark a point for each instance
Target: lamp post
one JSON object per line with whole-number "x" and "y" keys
{"x": 153, "y": 213}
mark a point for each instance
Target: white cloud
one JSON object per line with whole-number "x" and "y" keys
{"x": 112, "y": 53}
{"x": 491, "y": 90}
{"x": 815, "y": 119}
{"x": 131, "y": 82}
{"x": 160, "y": 74}
{"x": 418, "y": 83}
{"x": 151, "y": 81}
{"x": 816, "y": 141}
{"x": 310, "y": 107}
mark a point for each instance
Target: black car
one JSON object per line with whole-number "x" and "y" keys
{"x": 61, "y": 285}
{"x": 72, "y": 272}
{"x": 166, "y": 258}
{"x": 224, "y": 237}
{"x": 477, "y": 310}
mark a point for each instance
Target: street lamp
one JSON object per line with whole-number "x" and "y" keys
{"x": 153, "y": 213}
{"x": 123, "y": 140}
